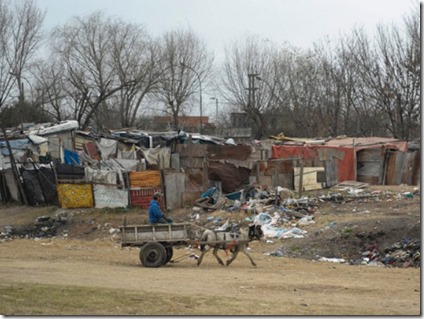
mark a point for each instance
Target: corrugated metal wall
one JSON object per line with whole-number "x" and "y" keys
{"x": 150, "y": 178}
{"x": 369, "y": 166}
{"x": 232, "y": 178}
{"x": 142, "y": 187}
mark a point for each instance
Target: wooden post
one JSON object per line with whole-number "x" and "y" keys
{"x": 355, "y": 164}
{"x": 205, "y": 175}
{"x": 301, "y": 177}
{"x": 190, "y": 151}
{"x": 162, "y": 181}
{"x": 276, "y": 180}
{"x": 14, "y": 169}
{"x": 257, "y": 172}
{"x": 37, "y": 173}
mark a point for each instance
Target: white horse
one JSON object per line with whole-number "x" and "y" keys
{"x": 235, "y": 242}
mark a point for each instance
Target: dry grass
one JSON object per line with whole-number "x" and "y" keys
{"x": 41, "y": 299}
{"x": 23, "y": 215}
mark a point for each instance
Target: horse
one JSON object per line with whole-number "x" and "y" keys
{"x": 233, "y": 241}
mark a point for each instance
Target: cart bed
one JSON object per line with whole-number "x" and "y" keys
{"x": 137, "y": 235}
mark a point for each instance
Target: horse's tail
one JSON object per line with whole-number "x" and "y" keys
{"x": 208, "y": 235}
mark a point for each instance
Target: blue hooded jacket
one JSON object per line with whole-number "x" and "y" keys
{"x": 154, "y": 212}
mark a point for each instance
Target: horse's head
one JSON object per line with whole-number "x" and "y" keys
{"x": 255, "y": 231}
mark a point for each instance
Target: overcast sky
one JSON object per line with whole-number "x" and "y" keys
{"x": 218, "y": 22}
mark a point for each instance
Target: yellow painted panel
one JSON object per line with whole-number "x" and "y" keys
{"x": 309, "y": 181}
{"x": 75, "y": 195}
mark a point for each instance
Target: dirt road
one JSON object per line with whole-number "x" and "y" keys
{"x": 277, "y": 286}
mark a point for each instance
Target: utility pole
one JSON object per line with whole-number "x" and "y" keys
{"x": 251, "y": 97}
{"x": 21, "y": 105}
{"x": 251, "y": 102}
{"x": 200, "y": 91}
{"x": 216, "y": 101}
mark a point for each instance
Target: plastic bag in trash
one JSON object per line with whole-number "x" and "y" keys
{"x": 263, "y": 218}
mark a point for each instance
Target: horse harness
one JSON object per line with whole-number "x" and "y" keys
{"x": 234, "y": 236}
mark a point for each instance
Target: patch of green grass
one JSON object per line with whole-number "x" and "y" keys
{"x": 346, "y": 231}
{"x": 294, "y": 249}
{"x": 43, "y": 299}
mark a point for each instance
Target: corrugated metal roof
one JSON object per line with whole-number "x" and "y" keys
{"x": 360, "y": 141}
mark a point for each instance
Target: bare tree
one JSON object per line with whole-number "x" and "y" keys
{"x": 20, "y": 38}
{"x": 135, "y": 59}
{"x": 336, "y": 97}
{"x": 249, "y": 81}
{"x": 185, "y": 65}
{"x": 7, "y": 79}
{"x": 84, "y": 49}
{"x": 51, "y": 94}
{"x": 304, "y": 87}
{"x": 390, "y": 72}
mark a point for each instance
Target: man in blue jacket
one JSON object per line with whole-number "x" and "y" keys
{"x": 155, "y": 213}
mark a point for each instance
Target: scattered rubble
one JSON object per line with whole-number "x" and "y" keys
{"x": 406, "y": 253}
{"x": 283, "y": 217}
{"x": 43, "y": 226}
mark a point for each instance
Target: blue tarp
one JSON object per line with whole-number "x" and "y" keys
{"x": 15, "y": 145}
{"x": 71, "y": 157}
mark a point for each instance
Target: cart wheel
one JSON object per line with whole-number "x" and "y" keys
{"x": 169, "y": 253}
{"x": 152, "y": 255}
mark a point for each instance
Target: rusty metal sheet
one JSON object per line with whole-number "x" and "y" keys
{"x": 328, "y": 153}
{"x": 370, "y": 155}
{"x": 331, "y": 177}
{"x": 411, "y": 175}
{"x": 195, "y": 162}
{"x": 91, "y": 149}
{"x": 193, "y": 184}
{"x": 149, "y": 178}
{"x": 394, "y": 168}
{"x": 142, "y": 197}
{"x": 370, "y": 166}
{"x": 194, "y": 180}
{"x": 232, "y": 178}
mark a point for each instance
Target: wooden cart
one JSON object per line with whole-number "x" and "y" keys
{"x": 156, "y": 241}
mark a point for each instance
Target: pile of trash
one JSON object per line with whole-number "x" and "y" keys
{"x": 279, "y": 213}
{"x": 284, "y": 216}
{"x": 53, "y": 226}
{"x": 348, "y": 194}
{"x": 43, "y": 226}
{"x": 405, "y": 253}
